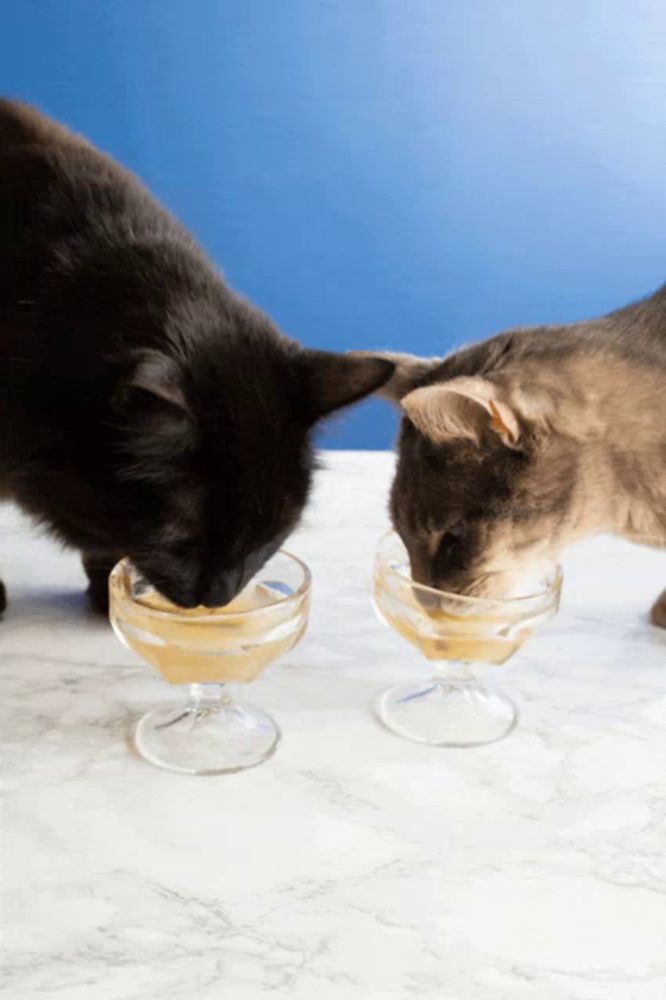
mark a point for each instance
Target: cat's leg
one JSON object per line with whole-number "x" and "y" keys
{"x": 98, "y": 565}
{"x": 658, "y": 613}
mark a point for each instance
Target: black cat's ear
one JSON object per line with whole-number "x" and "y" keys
{"x": 153, "y": 384}
{"x": 407, "y": 372}
{"x": 337, "y": 380}
{"x": 154, "y": 410}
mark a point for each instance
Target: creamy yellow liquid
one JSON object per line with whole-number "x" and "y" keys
{"x": 201, "y": 646}
{"x": 445, "y": 636}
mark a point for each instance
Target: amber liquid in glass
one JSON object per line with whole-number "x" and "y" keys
{"x": 441, "y": 635}
{"x": 201, "y": 646}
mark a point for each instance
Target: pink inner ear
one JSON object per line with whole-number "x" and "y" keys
{"x": 504, "y": 421}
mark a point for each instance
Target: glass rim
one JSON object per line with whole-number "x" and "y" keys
{"x": 553, "y": 576}
{"x": 219, "y": 613}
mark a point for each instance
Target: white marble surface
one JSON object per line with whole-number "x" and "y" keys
{"x": 353, "y": 864}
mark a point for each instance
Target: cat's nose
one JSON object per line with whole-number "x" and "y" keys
{"x": 223, "y": 589}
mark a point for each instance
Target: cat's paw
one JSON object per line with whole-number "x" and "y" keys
{"x": 658, "y": 612}
{"x": 3, "y": 597}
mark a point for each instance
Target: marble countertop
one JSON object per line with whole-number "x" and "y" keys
{"x": 353, "y": 865}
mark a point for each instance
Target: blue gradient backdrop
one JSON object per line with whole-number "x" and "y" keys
{"x": 406, "y": 173}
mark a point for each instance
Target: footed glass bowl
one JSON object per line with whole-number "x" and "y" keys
{"x": 454, "y": 632}
{"x": 207, "y": 649}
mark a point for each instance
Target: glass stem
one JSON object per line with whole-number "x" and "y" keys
{"x": 204, "y": 697}
{"x": 451, "y": 673}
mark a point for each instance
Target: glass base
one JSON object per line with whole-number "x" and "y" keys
{"x": 447, "y": 713}
{"x": 218, "y": 738}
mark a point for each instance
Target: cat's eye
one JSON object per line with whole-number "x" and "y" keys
{"x": 451, "y": 538}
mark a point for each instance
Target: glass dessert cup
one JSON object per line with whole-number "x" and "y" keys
{"x": 206, "y": 649}
{"x": 453, "y": 709}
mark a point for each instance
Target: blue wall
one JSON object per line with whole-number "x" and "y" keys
{"x": 405, "y": 173}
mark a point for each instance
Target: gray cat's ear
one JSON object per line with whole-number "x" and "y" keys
{"x": 408, "y": 370}
{"x": 465, "y": 407}
{"x": 337, "y": 380}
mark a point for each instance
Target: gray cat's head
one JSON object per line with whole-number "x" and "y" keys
{"x": 473, "y": 499}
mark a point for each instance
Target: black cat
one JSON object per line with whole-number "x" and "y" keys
{"x": 145, "y": 409}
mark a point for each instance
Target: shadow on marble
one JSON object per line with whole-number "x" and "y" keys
{"x": 69, "y": 604}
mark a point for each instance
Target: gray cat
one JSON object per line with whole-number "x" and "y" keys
{"x": 512, "y": 449}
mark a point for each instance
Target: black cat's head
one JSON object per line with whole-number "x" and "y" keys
{"x": 216, "y": 459}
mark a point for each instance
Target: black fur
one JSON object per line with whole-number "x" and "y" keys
{"x": 145, "y": 409}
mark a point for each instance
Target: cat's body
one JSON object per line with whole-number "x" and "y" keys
{"x": 145, "y": 409}
{"x": 514, "y": 448}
